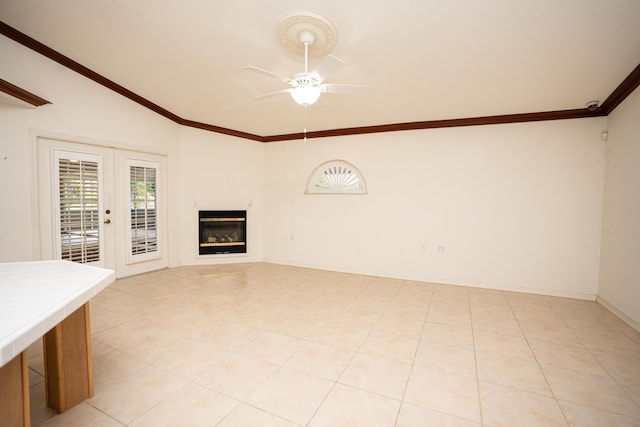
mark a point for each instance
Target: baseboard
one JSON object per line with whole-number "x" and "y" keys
{"x": 445, "y": 281}
{"x": 634, "y": 324}
{"x": 612, "y": 308}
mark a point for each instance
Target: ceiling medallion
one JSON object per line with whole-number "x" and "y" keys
{"x": 325, "y": 34}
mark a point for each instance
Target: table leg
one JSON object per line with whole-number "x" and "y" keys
{"x": 14, "y": 392}
{"x": 67, "y": 360}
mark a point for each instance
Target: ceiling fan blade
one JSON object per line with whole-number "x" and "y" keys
{"x": 270, "y": 94}
{"x": 344, "y": 88}
{"x": 329, "y": 65}
{"x": 268, "y": 73}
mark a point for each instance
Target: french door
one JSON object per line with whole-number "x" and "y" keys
{"x": 80, "y": 208}
{"x": 101, "y": 206}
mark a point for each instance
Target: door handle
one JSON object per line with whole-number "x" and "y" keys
{"x": 107, "y": 221}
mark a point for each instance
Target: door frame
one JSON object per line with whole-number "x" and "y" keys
{"x": 119, "y": 152}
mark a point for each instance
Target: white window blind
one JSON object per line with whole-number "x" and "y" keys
{"x": 143, "y": 230}
{"x": 78, "y": 182}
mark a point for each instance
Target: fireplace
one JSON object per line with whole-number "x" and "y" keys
{"x": 222, "y": 232}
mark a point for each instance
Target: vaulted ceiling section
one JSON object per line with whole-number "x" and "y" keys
{"x": 426, "y": 64}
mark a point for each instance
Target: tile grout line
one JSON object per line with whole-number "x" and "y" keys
{"x": 588, "y": 349}
{"x": 413, "y": 361}
{"x": 582, "y": 318}
{"x": 475, "y": 360}
{"x": 546, "y": 380}
{"x": 355, "y": 352}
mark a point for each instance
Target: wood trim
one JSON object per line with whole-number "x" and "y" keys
{"x": 434, "y": 124}
{"x": 26, "y": 401}
{"x": 14, "y": 392}
{"x": 21, "y": 94}
{"x": 68, "y": 366}
{"x": 88, "y": 348}
{"x": 623, "y": 90}
{"x": 56, "y": 56}
{"x": 53, "y": 369}
{"x": 218, "y": 129}
{"x": 616, "y": 97}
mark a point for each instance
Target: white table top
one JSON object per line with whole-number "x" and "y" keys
{"x": 36, "y": 296}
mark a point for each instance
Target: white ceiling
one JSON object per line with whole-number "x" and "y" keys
{"x": 423, "y": 60}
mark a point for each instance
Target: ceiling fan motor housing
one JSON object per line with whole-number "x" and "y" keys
{"x": 311, "y": 35}
{"x": 305, "y": 80}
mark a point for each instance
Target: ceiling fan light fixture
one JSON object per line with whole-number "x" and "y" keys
{"x": 306, "y": 95}
{"x": 311, "y": 35}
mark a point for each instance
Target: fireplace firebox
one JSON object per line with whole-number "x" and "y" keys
{"x": 222, "y": 232}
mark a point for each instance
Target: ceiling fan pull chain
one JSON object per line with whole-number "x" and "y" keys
{"x": 305, "y": 123}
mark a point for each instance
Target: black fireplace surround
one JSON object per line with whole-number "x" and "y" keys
{"x": 222, "y": 232}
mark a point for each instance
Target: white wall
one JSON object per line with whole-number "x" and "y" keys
{"x": 210, "y": 170}
{"x": 81, "y": 110}
{"x": 219, "y": 172}
{"x": 620, "y": 261}
{"x": 515, "y": 206}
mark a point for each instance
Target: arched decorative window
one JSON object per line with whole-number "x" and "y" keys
{"x": 336, "y": 177}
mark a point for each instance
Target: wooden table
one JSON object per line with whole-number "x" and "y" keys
{"x": 50, "y": 299}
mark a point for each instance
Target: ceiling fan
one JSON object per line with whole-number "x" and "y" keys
{"x": 311, "y": 31}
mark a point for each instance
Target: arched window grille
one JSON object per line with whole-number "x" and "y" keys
{"x": 336, "y": 177}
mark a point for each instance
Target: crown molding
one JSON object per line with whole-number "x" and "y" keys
{"x": 617, "y": 96}
{"x": 61, "y": 59}
{"x": 434, "y": 124}
{"x": 21, "y": 94}
{"x": 218, "y": 129}
{"x": 623, "y": 90}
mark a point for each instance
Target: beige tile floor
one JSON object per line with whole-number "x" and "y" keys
{"x": 267, "y": 345}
